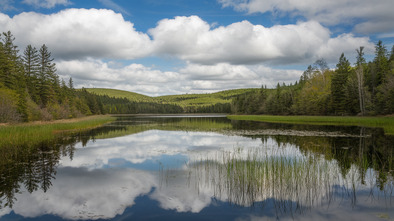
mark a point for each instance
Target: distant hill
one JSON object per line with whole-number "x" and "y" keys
{"x": 183, "y": 100}
{"x": 121, "y": 94}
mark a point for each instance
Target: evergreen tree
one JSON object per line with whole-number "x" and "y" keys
{"x": 31, "y": 62}
{"x": 47, "y": 76}
{"x": 381, "y": 62}
{"x": 10, "y": 61}
{"x": 338, "y": 84}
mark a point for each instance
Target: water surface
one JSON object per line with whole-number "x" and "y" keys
{"x": 202, "y": 168}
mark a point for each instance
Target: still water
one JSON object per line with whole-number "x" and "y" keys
{"x": 203, "y": 168}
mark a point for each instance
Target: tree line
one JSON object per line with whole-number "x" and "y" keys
{"x": 366, "y": 88}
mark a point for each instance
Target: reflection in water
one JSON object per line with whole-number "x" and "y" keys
{"x": 297, "y": 183}
{"x": 192, "y": 165}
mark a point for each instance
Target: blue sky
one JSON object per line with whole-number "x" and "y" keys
{"x": 159, "y": 47}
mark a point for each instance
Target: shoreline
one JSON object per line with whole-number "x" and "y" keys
{"x": 32, "y": 133}
{"x": 385, "y": 122}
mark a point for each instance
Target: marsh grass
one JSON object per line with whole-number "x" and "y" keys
{"x": 387, "y": 123}
{"x": 31, "y": 134}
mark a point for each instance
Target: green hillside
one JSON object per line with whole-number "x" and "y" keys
{"x": 183, "y": 100}
{"x": 221, "y": 97}
{"x": 121, "y": 94}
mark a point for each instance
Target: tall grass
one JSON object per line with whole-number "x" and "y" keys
{"x": 31, "y": 134}
{"x": 387, "y": 123}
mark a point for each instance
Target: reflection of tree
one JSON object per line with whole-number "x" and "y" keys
{"x": 32, "y": 167}
{"x": 366, "y": 149}
{"x": 35, "y": 167}
{"x": 31, "y": 177}
{"x": 9, "y": 184}
{"x": 47, "y": 162}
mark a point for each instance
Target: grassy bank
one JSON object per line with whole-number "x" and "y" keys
{"x": 387, "y": 123}
{"x": 30, "y": 134}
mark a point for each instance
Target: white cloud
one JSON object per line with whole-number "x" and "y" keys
{"x": 81, "y": 194}
{"x": 192, "y": 39}
{"x": 79, "y": 33}
{"x": 134, "y": 77}
{"x": 226, "y": 76}
{"x": 217, "y": 58}
{"x": 328, "y": 12}
{"x": 193, "y": 78}
{"x": 46, "y": 3}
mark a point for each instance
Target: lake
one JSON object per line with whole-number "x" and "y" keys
{"x": 202, "y": 167}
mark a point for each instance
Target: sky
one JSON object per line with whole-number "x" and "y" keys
{"x": 156, "y": 47}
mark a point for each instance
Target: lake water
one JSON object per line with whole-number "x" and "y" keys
{"x": 203, "y": 168}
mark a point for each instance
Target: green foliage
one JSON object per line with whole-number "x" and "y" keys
{"x": 8, "y": 106}
{"x": 366, "y": 89}
{"x": 31, "y": 89}
{"x": 339, "y": 82}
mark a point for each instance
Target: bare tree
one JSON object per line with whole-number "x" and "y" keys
{"x": 360, "y": 78}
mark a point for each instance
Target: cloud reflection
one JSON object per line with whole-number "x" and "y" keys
{"x": 78, "y": 193}
{"x": 102, "y": 180}
{"x": 151, "y": 145}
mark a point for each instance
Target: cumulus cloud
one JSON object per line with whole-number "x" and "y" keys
{"x": 365, "y": 13}
{"x": 193, "y": 78}
{"x": 81, "y": 194}
{"x": 46, "y": 3}
{"x": 134, "y": 77}
{"x": 79, "y": 33}
{"x": 85, "y": 43}
{"x": 192, "y": 39}
{"x": 226, "y": 76}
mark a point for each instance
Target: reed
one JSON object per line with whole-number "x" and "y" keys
{"x": 387, "y": 122}
{"x": 31, "y": 134}
{"x": 296, "y": 183}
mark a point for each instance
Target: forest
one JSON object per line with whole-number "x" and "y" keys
{"x": 366, "y": 88}
{"x": 31, "y": 90}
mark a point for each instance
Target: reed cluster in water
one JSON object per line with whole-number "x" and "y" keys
{"x": 294, "y": 182}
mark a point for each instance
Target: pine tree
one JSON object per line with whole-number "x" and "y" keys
{"x": 381, "y": 62}
{"x": 47, "y": 76}
{"x": 338, "y": 84}
{"x": 9, "y": 62}
{"x": 31, "y": 63}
